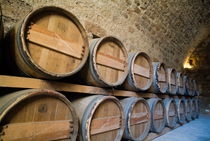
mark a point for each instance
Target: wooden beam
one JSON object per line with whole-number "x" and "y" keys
{"x": 34, "y": 83}
{"x": 24, "y": 82}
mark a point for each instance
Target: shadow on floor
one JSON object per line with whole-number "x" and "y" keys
{"x": 196, "y": 130}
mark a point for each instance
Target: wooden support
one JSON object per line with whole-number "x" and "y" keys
{"x": 34, "y": 83}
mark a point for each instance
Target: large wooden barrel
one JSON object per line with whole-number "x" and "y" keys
{"x": 137, "y": 118}
{"x": 193, "y": 108}
{"x": 108, "y": 63}
{"x": 180, "y": 106}
{"x": 140, "y": 72}
{"x": 49, "y": 43}
{"x": 160, "y": 83}
{"x": 171, "y": 112}
{"x": 158, "y": 118}
{"x": 101, "y": 118}
{"x": 196, "y": 88}
{"x": 180, "y": 83}
{"x": 37, "y": 115}
{"x": 187, "y": 110}
{"x": 186, "y": 84}
{"x": 172, "y": 84}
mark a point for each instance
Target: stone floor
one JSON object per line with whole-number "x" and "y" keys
{"x": 196, "y": 130}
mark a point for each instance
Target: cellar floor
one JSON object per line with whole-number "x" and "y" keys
{"x": 196, "y": 130}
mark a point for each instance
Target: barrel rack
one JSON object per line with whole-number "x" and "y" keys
{"x": 24, "y": 82}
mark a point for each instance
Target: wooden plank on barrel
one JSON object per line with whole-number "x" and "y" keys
{"x": 161, "y": 77}
{"x": 139, "y": 118}
{"x": 104, "y": 124}
{"x": 142, "y": 71}
{"x": 46, "y": 130}
{"x": 158, "y": 116}
{"x": 110, "y": 61}
{"x": 54, "y": 41}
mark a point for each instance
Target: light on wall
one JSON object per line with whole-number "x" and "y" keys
{"x": 188, "y": 64}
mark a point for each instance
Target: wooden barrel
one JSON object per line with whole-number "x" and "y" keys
{"x": 187, "y": 110}
{"x": 196, "y": 88}
{"x": 197, "y": 107}
{"x": 180, "y": 83}
{"x": 160, "y": 83}
{"x": 108, "y": 63}
{"x": 171, "y": 112}
{"x": 191, "y": 90}
{"x": 49, "y": 43}
{"x": 139, "y": 72}
{"x": 186, "y": 84}
{"x": 158, "y": 118}
{"x": 180, "y": 106}
{"x": 37, "y": 115}
{"x": 137, "y": 118}
{"x": 193, "y": 108}
{"x": 172, "y": 84}
{"x": 101, "y": 118}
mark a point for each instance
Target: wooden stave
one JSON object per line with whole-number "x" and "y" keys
{"x": 90, "y": 73}
{"x": 128, "y": 104}
{"x": 187, "y": 105}
{"x": 154, "y": 87}
{"x": 193, "y": 111}
{"x": 88, "y": 103}
{"x": 130, "y": 83}
{"x": 167, "y": 102}
{"x": 186, "y": 85}
{"x": 197, "y": 107}
{"x": 152, "y": 102}
{"x": 9, "y": 101}
{"x": 171, "y": 91}
{"x": 196, "y": 88}
{"x": 21, "y": 58}
{"x": 178, "y": 102}
{"x": 181, "y": 90}
{"x": 191, "y": 88}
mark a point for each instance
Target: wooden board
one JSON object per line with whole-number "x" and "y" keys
{"x": 25, "y": 82}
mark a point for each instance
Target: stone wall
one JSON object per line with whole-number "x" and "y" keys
{"x": 165, "y": 29}
{"x": 200, "y": 62}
